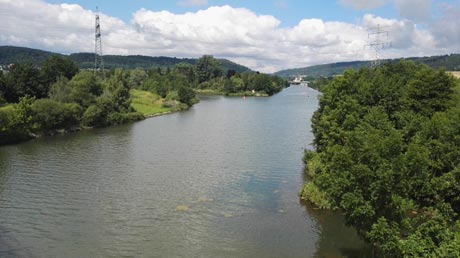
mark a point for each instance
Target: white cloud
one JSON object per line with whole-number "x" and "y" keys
{"x": 238, "y": 34}
{"x": 193, "y": 2}
{"x": 447, "y": 28}
{"x": 415, "y": 10}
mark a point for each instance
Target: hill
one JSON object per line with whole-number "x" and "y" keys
{"x": 10, "y": 54}
{"x": 449, "y": 62}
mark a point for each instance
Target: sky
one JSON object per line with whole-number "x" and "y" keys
{"x": 265, "y": 35}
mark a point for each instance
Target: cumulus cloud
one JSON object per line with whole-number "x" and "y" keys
{"x": 447, "y": 28}
{"x": 238, "y": 34}
{"x": 415, "y": 10}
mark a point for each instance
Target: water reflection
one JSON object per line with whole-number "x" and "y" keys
{"x": 336, "y": 239}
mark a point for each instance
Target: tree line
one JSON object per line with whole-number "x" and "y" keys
{"x": 387, "y": 155}
{"x": 58, "y": 96}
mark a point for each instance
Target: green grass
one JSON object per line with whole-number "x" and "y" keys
{"x": 209, "y": 92}
{"x": 310, "y": 192}
{"x": 147, "y": 103}
{"x": 7, "y": 107}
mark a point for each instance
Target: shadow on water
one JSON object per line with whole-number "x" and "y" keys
{"x": 336, "y": 239}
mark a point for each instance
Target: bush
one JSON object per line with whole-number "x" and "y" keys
{"x": 122, "y": 118}
{"x": 94, "y": 116}
{"x": 51, "y": 115}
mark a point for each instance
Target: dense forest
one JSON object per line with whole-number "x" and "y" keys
{"x": 387, "y": 155}
{"x": 10, "y": 55}
{"x": 58, "y": 97}
{"x": 448, "y": 62}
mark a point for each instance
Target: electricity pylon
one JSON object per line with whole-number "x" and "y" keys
{"x": 378, "y": 42}
{"x": 98, "y": 62}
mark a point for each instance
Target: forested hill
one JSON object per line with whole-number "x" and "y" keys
{"x": 10, "y": 54}
{"x": 449, "y": 62}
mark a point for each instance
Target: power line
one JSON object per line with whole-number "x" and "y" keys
{"x": 98, "y": 62}
{"x": 378, "y": 37}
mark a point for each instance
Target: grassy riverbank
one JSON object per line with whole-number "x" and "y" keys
{"x": 148, "y": 103}
{"x": 210, "y": 92}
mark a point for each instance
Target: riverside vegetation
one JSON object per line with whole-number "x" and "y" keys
{"x": 58, "y": 97}
{"x": 387, "y": 155}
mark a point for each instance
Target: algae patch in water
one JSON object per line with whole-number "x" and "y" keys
{"x": 205, "y": 199}
{"x": 182, "y": 208}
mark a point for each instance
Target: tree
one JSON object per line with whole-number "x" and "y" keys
{"x": 238, "y": 83}
{"x": 136, "y": 78}
{"x": 186, "y": 95}
{"x": 85, "y": 88}
{"x": 387, "y": 143}
{"x": 57, "y": 66}
{"x": 207, "y": 67}
{"x": 230, "y": 73}
{"x": 24, "y": 79}
{"x": 186, "y": 70}
{"x": 61, "y": 91}
{"x": 51, "y": 115}
{"x": 2, "y": 89}
{"x": 119, "y": 91}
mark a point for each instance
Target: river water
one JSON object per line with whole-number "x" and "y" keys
{"x": 218, "y": 180}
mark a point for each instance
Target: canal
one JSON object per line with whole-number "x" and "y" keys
{"x": 218, "y": 180}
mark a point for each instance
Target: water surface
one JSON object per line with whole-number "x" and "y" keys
{"x": 218, "y": 180}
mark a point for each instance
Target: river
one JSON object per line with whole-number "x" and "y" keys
{"x": 218, "y": 180}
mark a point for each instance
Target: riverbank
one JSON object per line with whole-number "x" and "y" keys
{"x": 150, "y": 104}
{"x": 145, "y": 104}
{"x": 310, "y": 191}
{"x": 209, "y": 92}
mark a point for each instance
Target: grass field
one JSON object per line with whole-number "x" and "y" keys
{"x": 147, "y": 103}
{"x": 7, "y": 107}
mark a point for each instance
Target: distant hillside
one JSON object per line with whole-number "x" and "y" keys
{"x": 449, "y": 62}
{"x": 9, "y": 54}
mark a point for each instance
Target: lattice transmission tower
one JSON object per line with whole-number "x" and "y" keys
{"x": 98, "y": 62}
{"x": 378, "y": 38}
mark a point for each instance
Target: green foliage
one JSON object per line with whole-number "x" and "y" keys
{"x": 61, "y": 91}
{"x": 186, "y": 95}
{"x": 85, "y": 88}
{"x": 207, "y": 68}
{"x": 2, "y": 89}
{"x": 387, "y": 154}
{"x": 16, "y": 121}
{"x": 318, "y": 83}
{"x": 50, "y": 115}
{"x": 118, "y": 90}
{"x": 21, "y": 80}
{"x": 136, "y": 78}
{"x": 310, "y": 192}
{"x": 57, "y": 66}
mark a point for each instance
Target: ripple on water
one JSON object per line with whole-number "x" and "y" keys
{"x": 219, "y": 180}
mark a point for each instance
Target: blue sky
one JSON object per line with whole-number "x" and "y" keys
{"x": 265, "y": 35}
